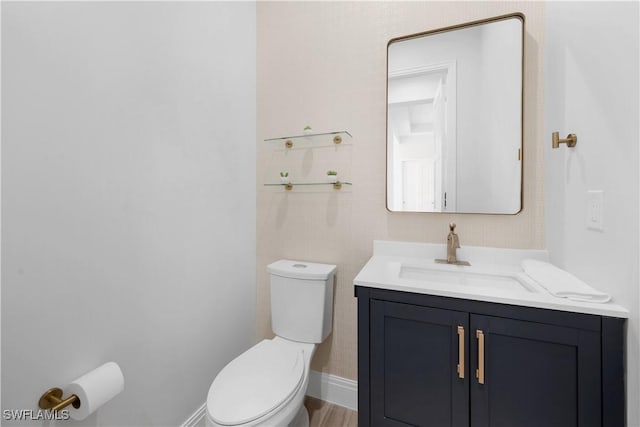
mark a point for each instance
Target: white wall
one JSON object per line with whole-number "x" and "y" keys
{"x": 128, "y": 199}
{"x": 591, "y": 89}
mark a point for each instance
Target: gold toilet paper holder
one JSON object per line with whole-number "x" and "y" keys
{"x": 52, "y": 400}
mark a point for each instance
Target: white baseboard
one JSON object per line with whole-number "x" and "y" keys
{"x": 197, "y": 418}
{"x": 330, "y": 388}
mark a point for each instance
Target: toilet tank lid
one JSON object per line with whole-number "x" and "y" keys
{"x": 301, "y": 269}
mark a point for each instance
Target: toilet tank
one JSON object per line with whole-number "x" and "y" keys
{"x": 301, "y": 300}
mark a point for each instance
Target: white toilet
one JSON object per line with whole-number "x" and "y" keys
{"x": 265, "y": 385}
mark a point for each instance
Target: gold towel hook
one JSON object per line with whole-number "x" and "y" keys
{"x": 52, "y": 400}
{"x": 571, "y": 140}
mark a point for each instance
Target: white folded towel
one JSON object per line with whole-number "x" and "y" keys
{"x": 561, "y": 283}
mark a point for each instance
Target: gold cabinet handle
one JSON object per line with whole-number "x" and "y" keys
{"x": 461, "y": 352}
{"x": 480, "y": 370}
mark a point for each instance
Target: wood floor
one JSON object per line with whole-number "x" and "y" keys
{"x": 323, "y": 414}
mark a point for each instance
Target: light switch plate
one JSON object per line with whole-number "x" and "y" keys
{"x": 595, "y": 210}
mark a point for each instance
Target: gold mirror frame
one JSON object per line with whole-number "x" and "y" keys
{"x": 470, "y": 24}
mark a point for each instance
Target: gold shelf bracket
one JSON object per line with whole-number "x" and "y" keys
{"x": 337, "y": 185}
{"x": 52, "y": 400}
{"x": 337, "y": 139}
{"x": 288, "y": 143}
{"x": 571, "y": 140}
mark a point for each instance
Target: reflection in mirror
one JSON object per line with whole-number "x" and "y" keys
{"x": 454, "y": 119}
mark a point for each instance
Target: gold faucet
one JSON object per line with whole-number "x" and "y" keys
{"x": 453, "y": 243}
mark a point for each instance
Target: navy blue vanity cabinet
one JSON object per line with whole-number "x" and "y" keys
{"x": 415, "y": 354}
{"x": 521, "y": 366}
{"x": 535, "y": 374}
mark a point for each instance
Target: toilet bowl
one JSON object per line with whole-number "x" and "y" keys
{"x": 266, "y": 385}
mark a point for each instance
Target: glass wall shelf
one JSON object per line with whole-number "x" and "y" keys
{"x": 336, "y": 186}
{"x": 305, "y": 159}
{"x": 325, "y": 139}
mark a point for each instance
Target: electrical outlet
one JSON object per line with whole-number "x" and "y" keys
{"x": 595, "y": 210}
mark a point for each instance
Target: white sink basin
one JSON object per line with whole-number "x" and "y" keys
{"x": 464, "y": 276}
{"x": 495, "y": 275}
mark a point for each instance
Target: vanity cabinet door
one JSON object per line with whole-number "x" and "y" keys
{"x": 535, "y": 374}
{"x": 415, "y": 352}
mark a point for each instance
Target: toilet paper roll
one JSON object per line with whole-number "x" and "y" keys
{"x": 94, "y": 389}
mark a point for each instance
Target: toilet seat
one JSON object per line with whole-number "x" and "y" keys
{"x": 256, "y": 383}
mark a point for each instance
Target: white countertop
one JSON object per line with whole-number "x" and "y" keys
{"x": 382, "y": 271}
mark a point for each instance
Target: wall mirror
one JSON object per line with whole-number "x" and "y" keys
{"x": 454, "y": 119}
